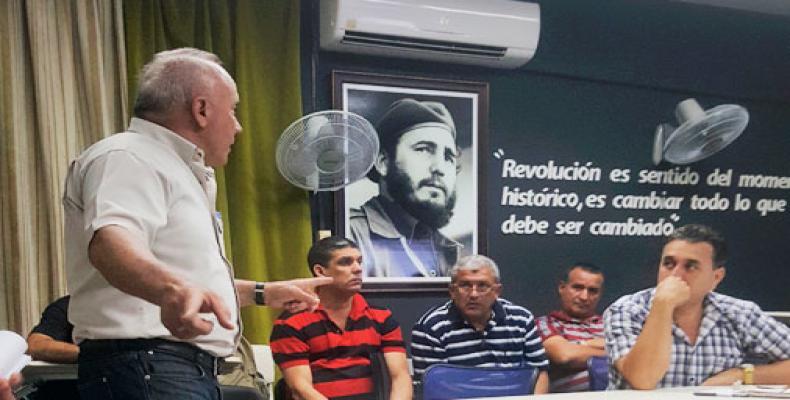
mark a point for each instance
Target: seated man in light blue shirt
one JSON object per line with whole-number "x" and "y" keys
{"x": 682, "y": 333}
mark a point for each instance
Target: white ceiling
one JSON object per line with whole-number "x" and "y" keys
{"x": 777, "y": 7}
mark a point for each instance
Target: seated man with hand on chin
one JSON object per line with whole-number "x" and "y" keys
{"x": 682, "y": 333}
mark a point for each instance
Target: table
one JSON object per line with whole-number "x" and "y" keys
{"x": 37, "y": 372}
{"x": 682, "y": 393}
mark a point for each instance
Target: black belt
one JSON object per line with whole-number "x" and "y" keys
{"x": 101, "y": 348}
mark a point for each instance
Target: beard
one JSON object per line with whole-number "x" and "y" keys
{"x": 401, "y": 188}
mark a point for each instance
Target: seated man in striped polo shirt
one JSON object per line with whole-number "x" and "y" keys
{"x": 574, "y": 334}
{"x": 476, "y": 327}
{"x": 326, "y": 353}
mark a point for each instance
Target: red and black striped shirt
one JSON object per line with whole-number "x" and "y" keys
{"x": 339, "y": 359}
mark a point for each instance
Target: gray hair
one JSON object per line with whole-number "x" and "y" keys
{"x": 475, "y": 261}
{"x": 170, "y": 80}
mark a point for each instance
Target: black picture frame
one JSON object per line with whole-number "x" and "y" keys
{"x": 368, "y": 95}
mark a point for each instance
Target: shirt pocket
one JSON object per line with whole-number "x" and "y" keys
{"x": 726, "y": 355}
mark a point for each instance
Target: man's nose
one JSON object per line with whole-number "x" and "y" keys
{"x": 678, "y": 271}
{"x": 437, "y": 167}
{"x": 584, "y": 295}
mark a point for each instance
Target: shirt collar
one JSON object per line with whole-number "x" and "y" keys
{"x": 712, "y": 311}
{"x": 404, "y": 222}
{"x": 563, "y": 316}
{"x": 185, "y": 149}
{"x": 455, "y": 316}
{"x": 358, "y": 307}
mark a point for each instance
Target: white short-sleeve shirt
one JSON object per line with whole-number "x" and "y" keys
{"x": 155, "y": 184}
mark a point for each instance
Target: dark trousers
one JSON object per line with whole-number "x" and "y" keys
{"x": 146, "y": 369}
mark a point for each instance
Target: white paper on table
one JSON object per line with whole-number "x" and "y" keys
{"x": 762, "y": 391}
{"x": 12, "y": 353}
{"x": 718, "y": 391}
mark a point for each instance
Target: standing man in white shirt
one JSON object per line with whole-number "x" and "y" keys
{"x": 154, "y": 303}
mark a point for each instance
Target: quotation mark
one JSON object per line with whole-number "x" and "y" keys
{"x": 674, "y": 217}
{"x": 499, "y": 153}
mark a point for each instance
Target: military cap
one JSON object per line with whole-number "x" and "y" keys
{"x": 408, "y": 114}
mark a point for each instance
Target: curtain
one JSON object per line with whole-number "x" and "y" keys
{"x": 62, "y": 87}
{"x": 267, "y": 221}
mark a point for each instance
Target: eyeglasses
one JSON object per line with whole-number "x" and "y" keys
{"x": 481, "y": 288}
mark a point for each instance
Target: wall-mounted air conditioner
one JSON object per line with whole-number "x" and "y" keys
{"x": 493, "y": 33}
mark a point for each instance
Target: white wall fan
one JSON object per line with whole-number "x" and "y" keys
{"x": 327, "y": 150}
{"x": 700, "y": 133}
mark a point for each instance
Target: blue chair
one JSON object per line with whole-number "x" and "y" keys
{"x": 598, "y": 369}
{"x": 445, "y": 381}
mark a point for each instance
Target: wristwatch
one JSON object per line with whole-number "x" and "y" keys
{"x": 748, "y": 374}
{"x": 259, "y": 297}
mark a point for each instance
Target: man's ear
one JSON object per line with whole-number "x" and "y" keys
{"x": 381, "y": 163}
{"x": 318, "y": 270}
{"x": 200, "y": 111}
{"x": 718, "y": 276}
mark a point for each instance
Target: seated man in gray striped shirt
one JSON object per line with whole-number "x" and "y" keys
{"x": 476, "y": 327}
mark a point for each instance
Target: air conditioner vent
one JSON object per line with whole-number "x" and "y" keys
{"x": 419, "y": 44}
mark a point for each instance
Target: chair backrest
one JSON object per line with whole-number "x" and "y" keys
{"x": 781, "y": 316}
{"x": 281, "y": 391}
{"x": 264, "y": 363}
{"x": 445, "y": 381}
{"x": 598, "y": 369}
{"x": 381, "y": 376}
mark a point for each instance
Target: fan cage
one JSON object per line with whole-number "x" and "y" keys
{"x": 696, "y": 140}
{"x": 327, "y": 150}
